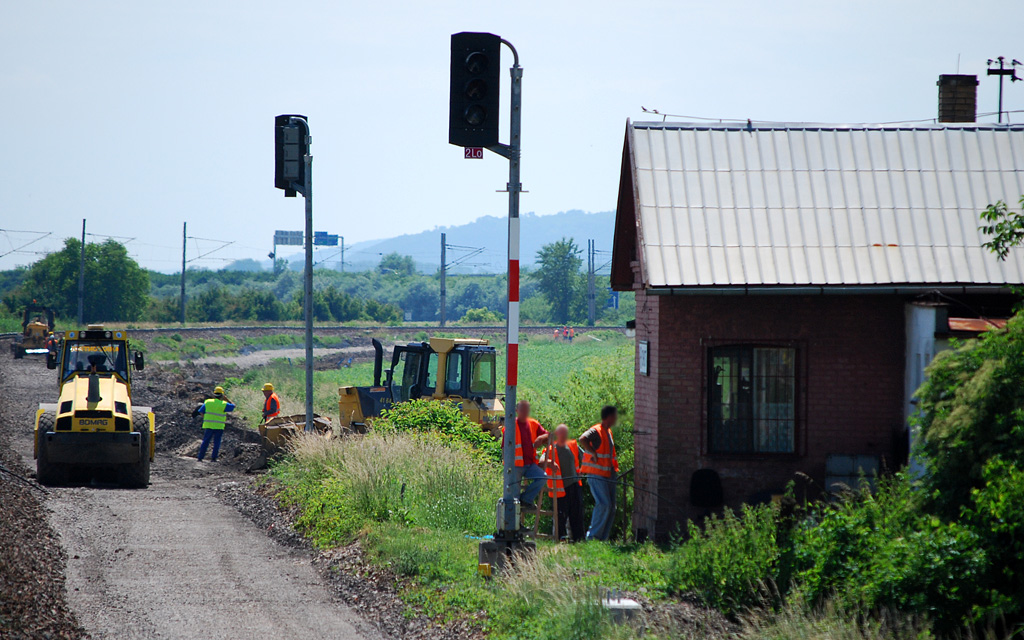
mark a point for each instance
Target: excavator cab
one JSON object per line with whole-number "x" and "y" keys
{"x": 463, "y": 370}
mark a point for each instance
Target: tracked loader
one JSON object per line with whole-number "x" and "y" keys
{"x": 458, "y": 369}
{"x": 94, "y": 425}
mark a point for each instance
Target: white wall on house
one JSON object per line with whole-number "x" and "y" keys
{"x": 923, "y": 320}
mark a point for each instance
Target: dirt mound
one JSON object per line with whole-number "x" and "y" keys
{"x": 173, "y": 396}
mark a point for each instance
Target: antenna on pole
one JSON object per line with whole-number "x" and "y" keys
{"x": 1002, "y": 72}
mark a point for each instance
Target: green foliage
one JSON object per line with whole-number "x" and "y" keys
{"x": 382, "y": 312}
{"x": 480, "y": 316}
{"x": 397, "y": 263}
{"x": 972, "y": 409}
{"x": 728, "y": 562}
{"x": 444, "y": 419}
{"x": 878, "y": 552}
{"x": 558, "y": 276}
{"x": 1005, "y": 227}
{"x": 116, "y": 288}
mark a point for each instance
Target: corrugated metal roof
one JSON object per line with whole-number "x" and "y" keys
{"x": 822, "y": 205}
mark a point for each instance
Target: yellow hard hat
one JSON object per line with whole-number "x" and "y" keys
{"x": 219, "y": 391}
{"x": 268, "y": 387}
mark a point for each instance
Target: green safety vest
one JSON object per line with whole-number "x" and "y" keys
{"x": 215, "y": 414}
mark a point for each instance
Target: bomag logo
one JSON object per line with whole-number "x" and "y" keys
{"x": 93, "y": 423}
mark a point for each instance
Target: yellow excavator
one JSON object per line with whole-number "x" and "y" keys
{"x": 36, "y": 326}
{"x": 94, "y": 425}
{"x": 458, "y": 369}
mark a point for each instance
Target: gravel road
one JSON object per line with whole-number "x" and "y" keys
{"x": 173, "y": 560}
{"x": 265, "y": 356}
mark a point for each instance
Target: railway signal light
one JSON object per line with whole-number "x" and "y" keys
{"x": 475, "y": 89}
{"x": 291, "y": 144}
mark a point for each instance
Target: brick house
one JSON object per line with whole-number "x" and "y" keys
{"x": 792, "y": 281}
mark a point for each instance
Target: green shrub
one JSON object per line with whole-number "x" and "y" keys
{"x": 480, "y": 316}
{"x": 443, "y": 419}
{"x": 728, "y": 562}
{"x": 878, "y": 551}
{"x": 972, "y": 409}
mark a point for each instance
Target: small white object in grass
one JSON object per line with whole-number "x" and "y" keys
{"x": 622, "y": 609}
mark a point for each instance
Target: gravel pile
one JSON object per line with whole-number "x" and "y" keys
{"x": 32, "y": 593}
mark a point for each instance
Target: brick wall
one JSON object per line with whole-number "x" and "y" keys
{"x": 645, "y": 421}
{"x": 850, "y": 356}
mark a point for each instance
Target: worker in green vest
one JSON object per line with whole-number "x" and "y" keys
{"x": 215, "y": 417}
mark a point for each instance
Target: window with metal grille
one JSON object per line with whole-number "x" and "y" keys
{"x": 751, "y": 399}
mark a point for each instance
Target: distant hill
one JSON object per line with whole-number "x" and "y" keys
{"x": 489, "y": 233}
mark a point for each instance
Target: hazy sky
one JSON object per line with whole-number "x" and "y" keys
{"x": 141, "y": 115}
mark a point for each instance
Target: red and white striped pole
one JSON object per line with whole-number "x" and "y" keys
{"x": 508, "y": 512}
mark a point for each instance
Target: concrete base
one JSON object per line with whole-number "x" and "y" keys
{"x": 495, "y": 555}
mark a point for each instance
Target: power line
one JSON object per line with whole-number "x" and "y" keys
{"x": 30, "y": 242}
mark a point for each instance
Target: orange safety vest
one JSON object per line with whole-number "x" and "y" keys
{"x": 267, "y": 408}
{"x": 555, "y": 485}
{"x": 519, "y": 442}
{"x": 603, "y": 461}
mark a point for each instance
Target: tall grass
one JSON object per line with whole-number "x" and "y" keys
{"x": 830, "y": 622}
{"x": 342, "y": 484}
{"x": 547, "y": 586}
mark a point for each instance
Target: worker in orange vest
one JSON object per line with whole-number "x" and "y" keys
{"x": 529, "y": 436}
{"x": 601, "y": 466}
{"x": 561, "y": 461}
{"x": 558, "y": 332}
{"x": 572, "y": 334}
{"x": 272, "y": 404}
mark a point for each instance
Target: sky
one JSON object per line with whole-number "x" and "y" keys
{"x": 142, "y": 116}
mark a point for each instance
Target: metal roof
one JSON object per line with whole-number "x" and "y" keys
{"x": 821, "y": 205}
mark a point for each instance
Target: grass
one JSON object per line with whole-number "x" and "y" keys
{"x": 419, "y": 503}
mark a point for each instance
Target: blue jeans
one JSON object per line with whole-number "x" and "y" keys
{"x": 603, "y": 490}
{"x": 210, "y": 434}
{"x": 537, "y": 479}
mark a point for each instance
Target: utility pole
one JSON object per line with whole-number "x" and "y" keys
{"x": 184, "y": 241}
{"x": 444, "y": 289}
{"x": 591, "y": 292}
{"x": 81, "y": 281}
{"x": 1002, "y": 72}
{"x": 342, "y": 254}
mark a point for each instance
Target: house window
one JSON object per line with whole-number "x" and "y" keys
{"x": 752, "y": 399}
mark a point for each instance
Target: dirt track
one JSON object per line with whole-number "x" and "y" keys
{"x": 173, "y": 560}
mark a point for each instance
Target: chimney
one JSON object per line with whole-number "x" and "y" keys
{"x": 958, "y": 98}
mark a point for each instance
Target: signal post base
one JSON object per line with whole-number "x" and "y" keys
{"x": 495, "y": 556}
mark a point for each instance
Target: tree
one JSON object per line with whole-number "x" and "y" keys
{"x": 480, "y": 316}
{"x": 1006, "y": 228}
{"x": 383, "y": 313}
{"x": 116, "y": 288}
{"x": 422, "y": 299}
{"x": 397, "y": 263}
{"x": 343, "y": 306}
{"x": 558, "y": 276}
